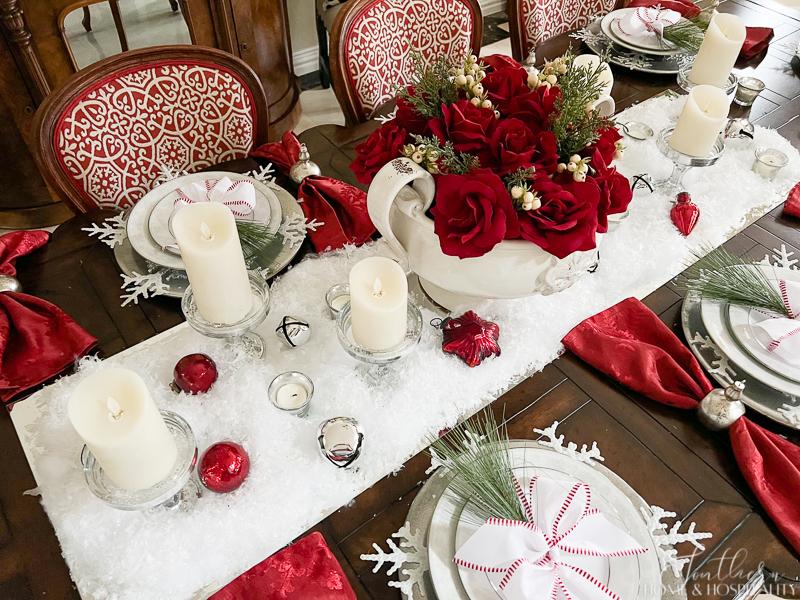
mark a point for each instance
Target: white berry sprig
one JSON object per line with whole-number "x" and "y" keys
{"x": 579, "y": 167}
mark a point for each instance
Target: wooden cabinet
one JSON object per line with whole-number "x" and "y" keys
{"x": 35, "y": 60}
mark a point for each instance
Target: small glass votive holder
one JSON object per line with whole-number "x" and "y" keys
{"x": 769, "y": 161}
{"x": 291, "y": 393}
{"x": 337, "y": 297}
{"x": 747, "y": 90}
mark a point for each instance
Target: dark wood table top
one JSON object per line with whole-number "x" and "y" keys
{"x": 665, "y": 454}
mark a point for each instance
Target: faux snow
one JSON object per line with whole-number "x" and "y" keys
{"x": 175, "y": 555}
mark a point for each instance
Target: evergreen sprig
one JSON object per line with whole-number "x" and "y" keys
{"x": 432, "y": 85}
{"x": 477, "y": 453}
{"x": 574, "y": 126}
{"x": 520, "y": 178}
{"x": 451, "y": 161}
{"x": 254, "y": 237}
{"x": 720, "y": 275}
{"x": 688, "y": 33}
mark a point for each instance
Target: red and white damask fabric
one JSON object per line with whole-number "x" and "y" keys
{"x": 380, "y": 40}
{"x": 114, "y": 138}
{"x": 543, "y": 19}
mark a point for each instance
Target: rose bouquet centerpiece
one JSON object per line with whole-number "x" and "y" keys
{"x": 515, "y": 153}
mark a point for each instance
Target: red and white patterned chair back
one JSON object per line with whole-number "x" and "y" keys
{"x": 373, "y": 41}
{"x": 535, "y": 21}
{"x": 117, "y": 130}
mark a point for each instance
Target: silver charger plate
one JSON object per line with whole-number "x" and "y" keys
{"x": 757, "y": 395}
{"x": 425, "y": 503}
{"x": 599, "y": 43}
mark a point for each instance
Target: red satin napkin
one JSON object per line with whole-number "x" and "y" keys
{"x": 792, "y": 205}
{"x": 755, "y": 41}
{"x": 339, "y": 208}
{"x": 37, "y": 339}
{"x": 306, "y": 570}
{"x": 629, "y": 343}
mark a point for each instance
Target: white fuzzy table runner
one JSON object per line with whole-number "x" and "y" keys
{"x": 176, "y": 555}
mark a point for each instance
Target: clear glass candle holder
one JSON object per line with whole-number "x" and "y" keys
{"x": 336, "y": 298}
{"x": 747, "y": 90}
{"x": 687, "y": 85}
{"x": 681, "y": 163}
{"x": 291, "y": 392}
{"x": 769, "y": 161}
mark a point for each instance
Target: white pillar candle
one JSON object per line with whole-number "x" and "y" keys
{"x": 210, "y": 248}
{"x": 721, "y": 45}
{"x": 378, "y": 303}
{"x": 701, "y": 121}
{"x": 121, "y": 425}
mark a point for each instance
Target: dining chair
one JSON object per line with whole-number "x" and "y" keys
{"x": 373, "y": 42}
{"x": 106, "y": 136}
{"x": 532, "y": 22}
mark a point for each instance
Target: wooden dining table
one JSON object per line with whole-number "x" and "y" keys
{"x": 665, "y": 454}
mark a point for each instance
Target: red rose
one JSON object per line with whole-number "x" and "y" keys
{"x": 408, "y": 118}
{"x": 566, "y": 222}
{"x": 513, "y": 145}
{"x": 495, "y": 62}
{"x": 467, "y": 126}
{"x": 533, "y": 107}
{"x": 505, "y": 84}
{"x": 545, "y": 157}
{"x": 606, "y": 144}
{"x": 383, "y": 145}
{"x": 473, "y": 213}
{"x": 615, "y": 191}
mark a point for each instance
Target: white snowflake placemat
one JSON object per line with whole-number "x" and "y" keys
{"x": 113, "y": 554}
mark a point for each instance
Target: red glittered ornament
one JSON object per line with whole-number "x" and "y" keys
{"x": 224, "y": 467}
{"x": 685, "y": 213}
{"x": 792, "y": 205}
{"x": 470, "y": 338}
{"x": 195, "y": 373}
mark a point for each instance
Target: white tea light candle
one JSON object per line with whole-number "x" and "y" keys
{"x": 378, "y": 303}
{"x": 210, "y": 248}
{"x": 701, "y": 121}
{"x": 114, "y": 414}
{"x": 721, "y": 45}
{"x": 291, "y": 392}
{"x": 291, "y": 396}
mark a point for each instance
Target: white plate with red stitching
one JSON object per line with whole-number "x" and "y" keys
{"x": 610, "y": 26}
{"x": 631, "y": 578}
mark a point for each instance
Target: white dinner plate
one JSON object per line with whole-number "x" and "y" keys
{"x": 742, "y": 321}
{"x": 609, "y": 24}
{"x": 138, "y": 227}
{"x": 715, "y": 320}
{"x": 634, "y": 578}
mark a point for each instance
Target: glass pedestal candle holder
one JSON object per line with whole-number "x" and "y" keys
{"x": 769, "y": 161}
{"x": 686, "y": 85}
{"x": 681, "y": 163}
{"x": 377, "y": 365}
{"x": 240, "y": 333}
{"x": 177, "y": 490}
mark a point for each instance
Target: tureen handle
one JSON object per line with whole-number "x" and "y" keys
{"x": 383, "y": 192}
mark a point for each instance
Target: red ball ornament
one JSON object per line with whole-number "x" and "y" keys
{"x": 224, "y": 467}
{"x": 195, "y": 373}
{"x": 792, "y": 205}
{"x": 470, "y": 338}
{"x": 685, "y": 213}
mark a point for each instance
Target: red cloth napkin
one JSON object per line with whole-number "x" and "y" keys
{"x": 37, "y": 339}
{"x": 792, "y": 205}
{"x": 338, "y": 207}
{"x": 306, "y": 570}
{"x": 629, "y": 343}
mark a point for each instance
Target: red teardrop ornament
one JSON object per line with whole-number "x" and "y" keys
{"x": 685, "y": 213}
{"x": 470, "y": 338}
{"x": 792, "y": 205}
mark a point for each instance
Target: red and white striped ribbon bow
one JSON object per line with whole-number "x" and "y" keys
{"x": 646, "y": 21}
{"x": 239, "y": 196}
{"x": 554, "y": 554}
{"x": 783, "y": 333}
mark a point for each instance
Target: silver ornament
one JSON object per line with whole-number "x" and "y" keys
{"x": 304, "y": 166}
{"x": 739, "y": 128}
{"x": 722, "y": 408}
{"x": 9, "y": 284}
{"x": 293, "y": 331}
{"x": 340, "y": 440}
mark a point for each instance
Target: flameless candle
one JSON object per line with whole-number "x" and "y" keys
{"x": 721, "y": 45}
{"x": 210, "y": 248}
{"x": 378, "y": 303}
{"x": 122, "y": 427}
{"x": 701, "y": 121}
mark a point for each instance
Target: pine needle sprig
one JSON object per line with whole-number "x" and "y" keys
{"x": 576, "y": 128}
{"x": 477, "y": 454}
{"x": 254, "y": 237}
{"x": 720, "y": 275}
{"x": 520, "y": 178}
{"x": 688, "y": 33}
{"x": 450, "y": 161}
{"x": 432, "y": 85}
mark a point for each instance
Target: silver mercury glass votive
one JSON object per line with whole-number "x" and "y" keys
{"x": 291, "y": 392}
{"x": 747, "y": 90}
{"x": 337, "y": 297}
